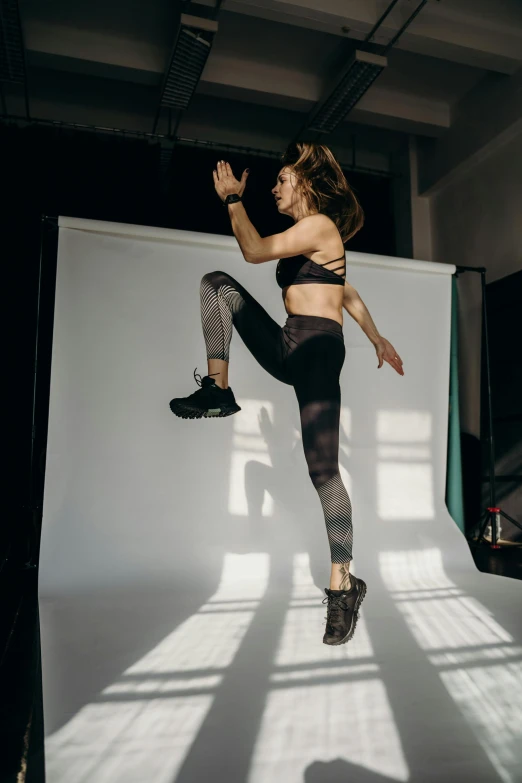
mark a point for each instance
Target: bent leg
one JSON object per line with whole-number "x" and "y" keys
{"x": 226, "y": 303}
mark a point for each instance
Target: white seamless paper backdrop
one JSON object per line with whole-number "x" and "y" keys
{"x": 152, "y": 523}
{"x": 135, "y": 494}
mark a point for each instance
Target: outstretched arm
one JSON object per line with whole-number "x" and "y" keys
{"x": 355, "y": 307}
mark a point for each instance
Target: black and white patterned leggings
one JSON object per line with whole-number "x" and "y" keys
{"x": 307, "y": 353}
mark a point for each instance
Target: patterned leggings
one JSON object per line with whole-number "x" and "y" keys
{"x": 307, "y": 353}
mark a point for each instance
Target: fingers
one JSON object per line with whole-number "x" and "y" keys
{"x": 223, "y": 169}
{"x": 395, "y": 361}
{"x": 396, "y": 366}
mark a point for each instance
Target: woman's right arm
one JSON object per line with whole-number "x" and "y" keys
{"x": 305, "y": 236}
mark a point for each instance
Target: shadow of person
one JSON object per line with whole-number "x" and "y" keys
{"x": 284, "y": 476}
{"x": 341, "y": 771}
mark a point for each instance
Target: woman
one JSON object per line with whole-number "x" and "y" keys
{"x": 308, "y": 351}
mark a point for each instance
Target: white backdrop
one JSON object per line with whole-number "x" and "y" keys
{"x": 183, "y": 562}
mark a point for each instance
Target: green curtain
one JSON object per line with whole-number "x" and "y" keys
{"x": 454, "y": 495}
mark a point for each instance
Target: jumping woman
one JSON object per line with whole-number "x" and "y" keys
{"x": 308, "y": 352}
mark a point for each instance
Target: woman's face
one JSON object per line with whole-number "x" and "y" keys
{"x": 285, "y": 194}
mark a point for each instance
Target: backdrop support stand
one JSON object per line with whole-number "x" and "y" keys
{"x": 39, "y": 425}
{"x": 493, "y": 511}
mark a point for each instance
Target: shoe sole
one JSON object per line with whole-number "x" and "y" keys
{"x": 187, "y": 412}
{"x": 355, "y": 617}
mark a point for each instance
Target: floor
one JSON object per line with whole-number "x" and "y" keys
{"x": 22, "y": 758}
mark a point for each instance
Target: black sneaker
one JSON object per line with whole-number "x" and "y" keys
{"x": 209, "y": 400}
{"x": 343, "y": 611}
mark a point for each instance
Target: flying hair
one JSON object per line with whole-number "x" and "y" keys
{"x": 321, "y": 181}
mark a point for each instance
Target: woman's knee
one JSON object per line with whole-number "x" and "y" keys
{"x": 215, "y": 278}
{"x": 320, "y": 476}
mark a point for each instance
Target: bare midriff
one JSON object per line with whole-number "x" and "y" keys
{"x": 320, "y": 299}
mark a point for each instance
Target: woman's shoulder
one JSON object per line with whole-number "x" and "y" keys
{"x": 320, "y": 219}
{"x": 323, "y": 223}
{"x": 326, "y": 227}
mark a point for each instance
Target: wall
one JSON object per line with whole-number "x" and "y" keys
{"x": 474, "y": 221}
{"x": 471, "y": 218}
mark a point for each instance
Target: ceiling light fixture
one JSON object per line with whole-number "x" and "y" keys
{"x": 192, "y": 45}
{"x": 361, "y": 71}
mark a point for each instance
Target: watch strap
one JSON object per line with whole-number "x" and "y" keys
{"x": 231, "y": 199}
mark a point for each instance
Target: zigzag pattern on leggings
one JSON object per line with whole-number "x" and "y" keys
{"x": 217, "y": 306}
{"x": 337, "y": 509}
{"x": 219, "y": 303}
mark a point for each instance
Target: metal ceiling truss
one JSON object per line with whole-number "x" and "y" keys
{"x": 355, "y": 80}
{"x": 169, "y": 142}
{"x": 365, "y": 64}
{"x": 192, "y": 44}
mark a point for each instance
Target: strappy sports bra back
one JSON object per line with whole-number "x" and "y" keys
{"x": 297, "y": 270}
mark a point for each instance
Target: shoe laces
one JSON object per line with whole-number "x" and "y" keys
{"x": 335, "y": 606}
{"x": 200, "y": 382}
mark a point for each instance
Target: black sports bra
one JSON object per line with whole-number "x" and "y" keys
{"x": 296, "y": 270}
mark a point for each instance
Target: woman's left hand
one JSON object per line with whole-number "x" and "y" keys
{"x": 387, "y": 353}
{"x": 225, "y": 182}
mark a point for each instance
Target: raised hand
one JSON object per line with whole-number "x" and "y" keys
{"x": 387, "y": 353}
{"x": 225, "y": 182}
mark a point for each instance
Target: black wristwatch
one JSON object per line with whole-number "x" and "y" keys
{"x": 231, "y": 199}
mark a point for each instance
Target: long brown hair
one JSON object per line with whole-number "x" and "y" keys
{"x": 321, "y": 181}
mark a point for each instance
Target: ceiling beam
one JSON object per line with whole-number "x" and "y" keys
{"x": 479, "y": 39}
{"x": 270, "y": 85}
